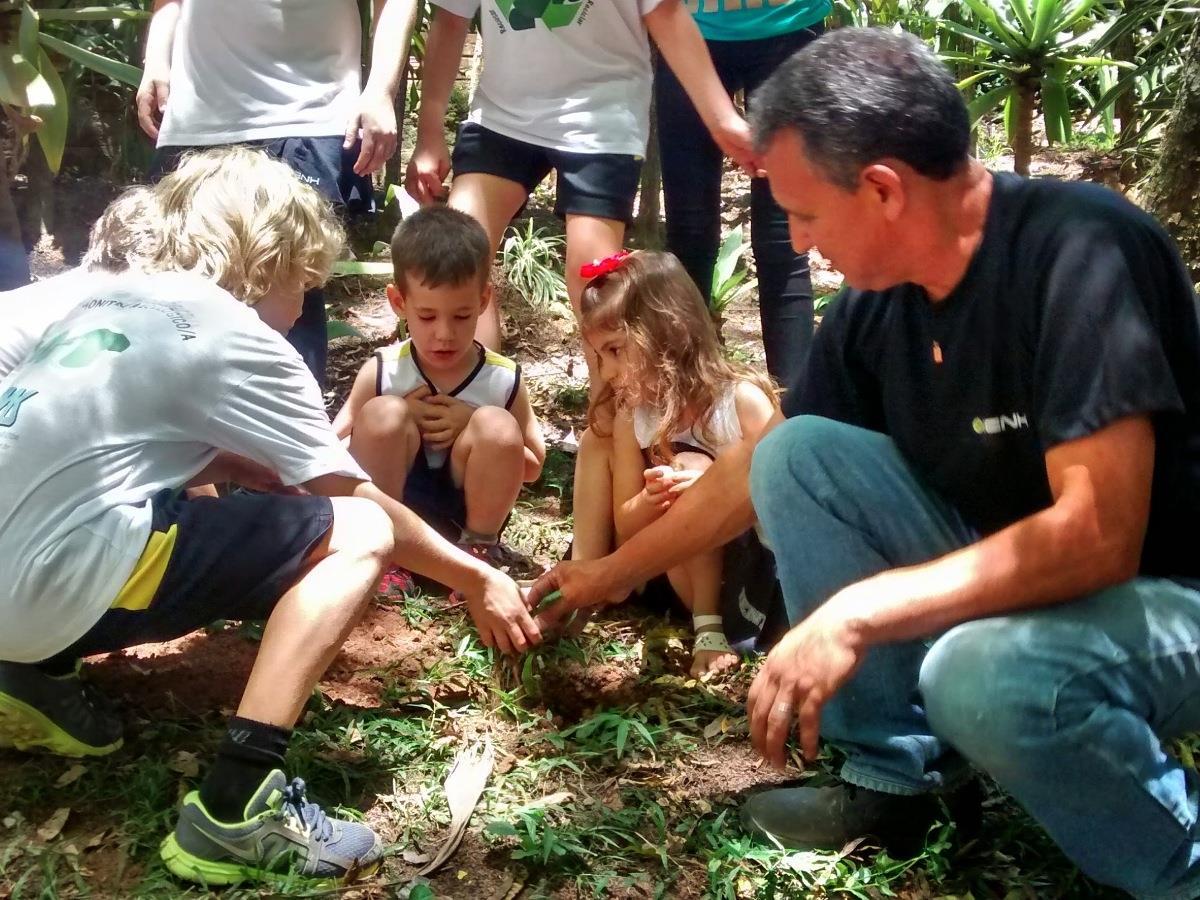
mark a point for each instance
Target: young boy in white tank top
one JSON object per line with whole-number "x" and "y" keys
{"x": 440, "y": 422}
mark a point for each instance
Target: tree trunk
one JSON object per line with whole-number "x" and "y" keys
{"x": 648, "y": 229}
{"x": 1022, "y": 142}
{"x": 1173, "y": 187}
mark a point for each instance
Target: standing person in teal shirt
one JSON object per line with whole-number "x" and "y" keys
{"x": 747, "y": 41}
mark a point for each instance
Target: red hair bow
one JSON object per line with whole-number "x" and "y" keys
{"x": 598, "y": 267}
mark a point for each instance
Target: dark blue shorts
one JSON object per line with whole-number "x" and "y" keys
{"x": 603, "y": 185}
{"x": 233, "y": 558}
{"x": 320, "y": 161}
{"x": 432, "y": 495}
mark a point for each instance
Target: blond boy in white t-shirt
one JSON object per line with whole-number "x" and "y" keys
{"x": 181, "y": 384}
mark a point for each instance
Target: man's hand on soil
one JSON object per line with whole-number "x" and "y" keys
{"x": 800, "y": 675}
{"x": 582, "y": 584}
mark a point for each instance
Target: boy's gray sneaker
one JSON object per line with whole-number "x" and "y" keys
{"x": 282, "y": 835}
{"x": 56, "y": 713}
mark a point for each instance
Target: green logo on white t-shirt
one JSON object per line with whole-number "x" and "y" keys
{"x": 82, "y": 349}
{"x": 525, "y": 14}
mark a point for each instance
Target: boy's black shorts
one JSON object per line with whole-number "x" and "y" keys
{"x": 433, "y": 495}
{"x": 603, "y": 185}
{"x": 232, "y": 558}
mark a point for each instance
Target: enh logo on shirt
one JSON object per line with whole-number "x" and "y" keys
{"x": 999, "y": 424}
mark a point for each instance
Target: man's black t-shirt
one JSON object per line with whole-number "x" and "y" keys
{"x": 1075, "y": 311}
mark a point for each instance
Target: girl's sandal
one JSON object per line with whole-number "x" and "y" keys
{"x": 713, "y": 641}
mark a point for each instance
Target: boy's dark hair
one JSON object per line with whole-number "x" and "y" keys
{"x": 859, "y": 95}
{"x": 440, "y": 245}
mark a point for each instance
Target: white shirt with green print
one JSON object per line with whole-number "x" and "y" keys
{"x": 133, "y": 391}
{"x": 571, "y": 75}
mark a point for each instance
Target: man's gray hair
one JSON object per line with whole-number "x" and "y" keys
{"x": 859, "y": 95}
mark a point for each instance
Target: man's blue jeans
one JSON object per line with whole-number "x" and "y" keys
{"x": 1066, "y": 707}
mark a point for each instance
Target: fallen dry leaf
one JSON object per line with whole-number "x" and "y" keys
{"x": 70, "y": 776}
{"x": 53, "y": 826}
{"x": 185, "y": 763}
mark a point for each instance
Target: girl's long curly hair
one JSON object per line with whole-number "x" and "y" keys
{"x": 683, "y": 372}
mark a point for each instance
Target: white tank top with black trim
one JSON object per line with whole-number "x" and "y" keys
{"x": 724, "y": 428}
{"x": 494, "y": 381}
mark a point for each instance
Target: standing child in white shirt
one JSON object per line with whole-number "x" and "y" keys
{"x": 565, "y": 87}
{"x": 439, "y": 421}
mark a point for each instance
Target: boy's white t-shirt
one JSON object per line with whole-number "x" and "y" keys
{"x": 132, "y": 392}
{"x": 26, "y": 312}
{"x": 248, "y": 70}
{"x": 570, "y": 75}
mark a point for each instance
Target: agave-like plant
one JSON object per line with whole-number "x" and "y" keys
{"x": 1026, "y": 52}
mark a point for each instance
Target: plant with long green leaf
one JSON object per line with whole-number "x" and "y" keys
{"x": 533, "y": 261}
{"x": 1151, "y": 37}
{"x": 32, "y": 91}
{"x": 1027, "y": 53}
{"x": 730, "y": 273}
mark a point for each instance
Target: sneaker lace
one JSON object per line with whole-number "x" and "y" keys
{"x": 308, "y": 817}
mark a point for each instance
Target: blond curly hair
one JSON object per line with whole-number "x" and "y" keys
{"x": 129, "y": 231}
{"x": 246, "y": 221}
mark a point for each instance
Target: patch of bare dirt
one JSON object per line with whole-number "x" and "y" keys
{"x": 207, "y": 671}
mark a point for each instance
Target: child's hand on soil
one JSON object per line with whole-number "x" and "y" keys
{"x": 445, "y": 419}
{"x": 501, "y": 616}
{"x": 705, "y": 662}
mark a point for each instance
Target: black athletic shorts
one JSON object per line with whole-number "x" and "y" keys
{"x": 603, "y": 185}
{"x": 433, "y": 495}
{"x": 229, "y": 558}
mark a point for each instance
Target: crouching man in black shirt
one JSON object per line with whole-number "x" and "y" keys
{"x": 985, "y": 508}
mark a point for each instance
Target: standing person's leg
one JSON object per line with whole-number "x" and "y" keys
{"x": 691, "y": 173}
{"x": 589, "y": 238}
{"x": 1067, "y": 709}
{"x": 595, "y": 196}
{"x": 493, "y": 177}
{"x": 785, "y": 294}
{"x": 320, "y": 162}
{"x": 839, "y": 504}
{"x": 492, "y": 201}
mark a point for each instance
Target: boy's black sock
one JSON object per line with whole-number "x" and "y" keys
{"x": 249, "y": 751}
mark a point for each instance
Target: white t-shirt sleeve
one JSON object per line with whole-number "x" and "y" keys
{"x": 464, "y": 8}
{"x": 276, "y": 418}
{"x": 648, "y": 6}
